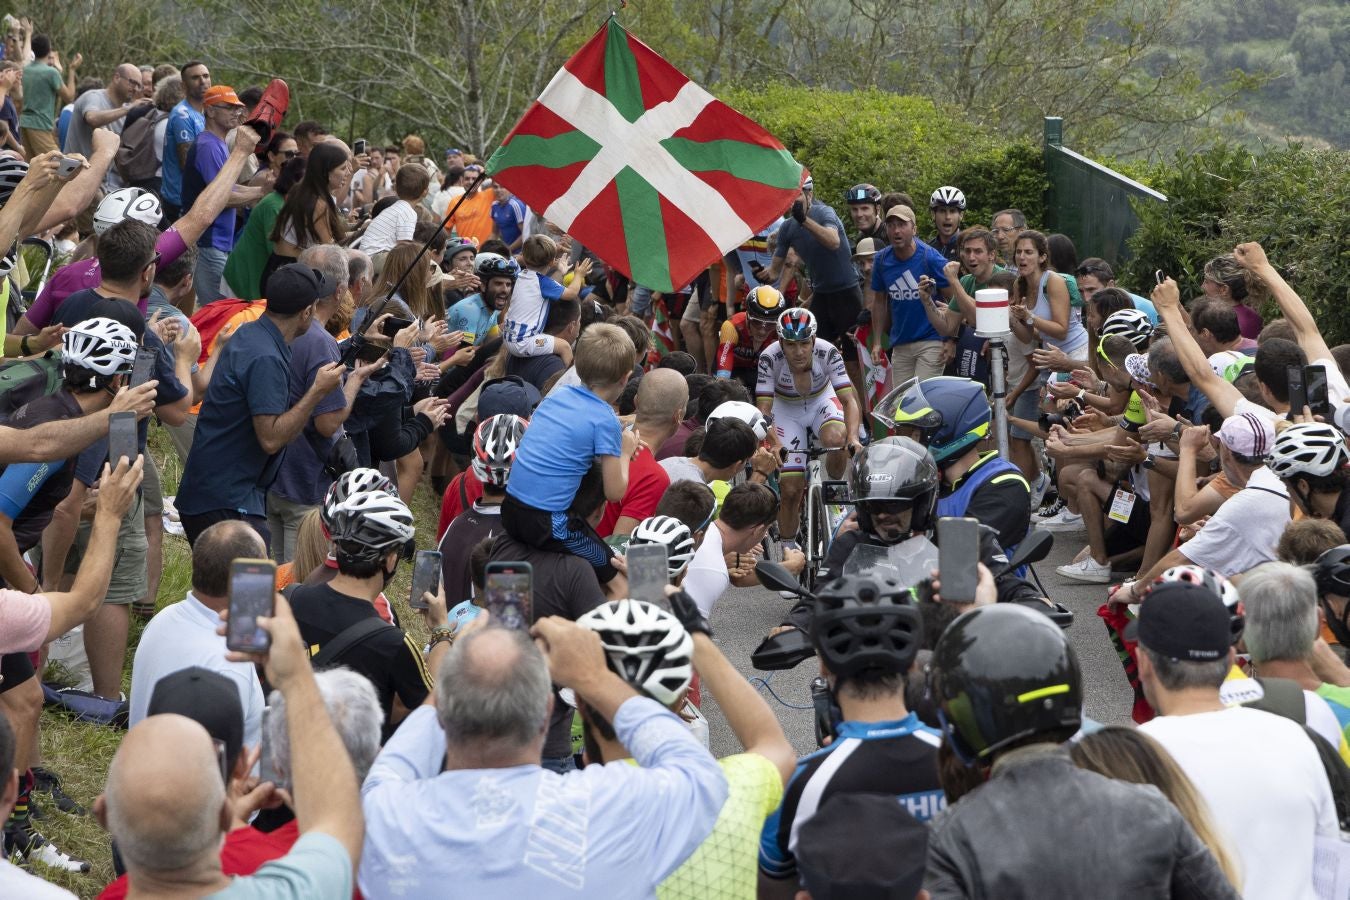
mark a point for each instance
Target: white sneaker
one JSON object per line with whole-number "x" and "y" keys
{"x": 1088, "y": 570}
{"x": 1038, "y": 489}
{"x": 1062, "y": 521}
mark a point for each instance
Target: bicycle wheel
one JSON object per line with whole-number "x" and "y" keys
{"x": 817, "y": 533}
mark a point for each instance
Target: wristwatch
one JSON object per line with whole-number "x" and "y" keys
{"x": 1082, "y": 392}
{"x": 439, "y": 635}
{"x": 1030, "y": 319}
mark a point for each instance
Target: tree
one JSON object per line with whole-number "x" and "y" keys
{"x": 460, "y": 72}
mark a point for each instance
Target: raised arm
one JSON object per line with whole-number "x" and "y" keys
{"x": 79, "y": 193}
{"x": 1167, "y": 298}
{"x": 1252, "y": 257}
{"x": 217, "y": 194}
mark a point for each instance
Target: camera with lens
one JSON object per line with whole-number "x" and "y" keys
{"x": 1065, "y": 418}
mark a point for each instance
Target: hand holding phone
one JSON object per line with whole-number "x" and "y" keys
{"x": 359, "y": 146}
{"x": 67, "y": 167}
{"x": 1315, "y": 387}
{"x": 123, "y": 438}
{"x": 508, "y": 590}
{"x": 648, "y": 573}
{"x": 143, "y": 367}
{"x": 252, "y": 595}
{"x": 958, "y": 559}
{"x": 426, "y": 577}
{"x": 1298, "y": 392}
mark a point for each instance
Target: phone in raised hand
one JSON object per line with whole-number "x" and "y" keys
{"x": 67, "y": 167}
{"x": 123, "y": 439}
{"x": 508, "y": 590}
{"x": 252, "y": 595}
{"x": 958, "y": 558}
{"x": 648, "y": 573}
{"x": 426, "y": 577}
{"x": 1315, "y": 387}
{"x": 143, "y": 367}
{"x": 1298, "y": 391}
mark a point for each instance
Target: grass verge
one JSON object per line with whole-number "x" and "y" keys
{"x": 80, "y": 752}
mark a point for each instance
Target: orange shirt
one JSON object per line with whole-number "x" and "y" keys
{"x": 244, "y": 316}
{"x": 473, "y": 219}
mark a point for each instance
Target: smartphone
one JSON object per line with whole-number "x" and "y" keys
{"x": 1298, "y": 391}
{"x": 253, "y": 588}
{"x": 958, "y": 555}
{"x": 426, "y": 577}
{"x": 1315, "y": 386}
{"x": 122, "y": 438}
{"x": 1159, "y": 276}
{"x": 67, "y": 167}
{"x": 508, "y": 591}
{"x": 834, "y": 493}
{"x": 359, "y": 146}
{"x": 391, "y": 326}
{"x": 143, "y": 367}
{"x": 266, "y": 770}
{"x": 648, "y": 573}
{"x": 370, "y": 352}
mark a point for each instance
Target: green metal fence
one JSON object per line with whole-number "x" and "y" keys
{"x": 1089, "y": 202}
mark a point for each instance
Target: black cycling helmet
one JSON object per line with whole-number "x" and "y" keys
{"x": 862, "y": 193}
{"x": 1002, "y": 673}
{"x": 862, "y": 624}
{"x": 1332, "y": 574}
{"x": 889, "y": 476}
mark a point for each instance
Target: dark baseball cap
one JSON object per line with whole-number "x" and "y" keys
{"x": 862, "y": 847}
{"x": 207, "y": 698}
{"x": 1186, "y": 622}
{"x": 293, "y": 288}
{"x": 511, "y": 394}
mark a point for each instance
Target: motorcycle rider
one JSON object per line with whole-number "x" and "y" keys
{"x": 894, "y": 486}
{"x": 950, "y": 416}
{"x": 1009, "y": 691}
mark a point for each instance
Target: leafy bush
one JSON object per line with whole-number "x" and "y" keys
{"x": 897, "y": 143}
{"x": 1295, "y": 201}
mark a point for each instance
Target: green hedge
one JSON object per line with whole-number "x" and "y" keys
{"x": 897, "y": 143}
{"x": 1295, "y": 201}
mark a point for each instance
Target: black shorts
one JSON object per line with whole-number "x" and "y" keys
{"x": 1127, "y": 536}
{"x": 836, "y": 315}
{"x": 16, "y": 668}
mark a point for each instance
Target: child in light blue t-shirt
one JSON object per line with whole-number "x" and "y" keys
{"x": 573, "y": 428}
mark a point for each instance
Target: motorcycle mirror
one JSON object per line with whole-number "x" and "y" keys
{"x": 782, "y": 651}
{"x": 776, "y": 577}
{"x": 1034, "y": 548}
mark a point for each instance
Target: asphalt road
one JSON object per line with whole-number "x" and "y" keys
{"x": 745, "y": 615}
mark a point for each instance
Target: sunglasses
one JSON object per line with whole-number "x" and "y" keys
{"x": 290, "y": 154}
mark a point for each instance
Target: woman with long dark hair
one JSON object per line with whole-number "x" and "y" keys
{"x": 310, "y": 215}
{"x": 247, "y": 266}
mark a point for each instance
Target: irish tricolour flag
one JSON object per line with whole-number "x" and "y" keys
{"x": 642, "y": 166}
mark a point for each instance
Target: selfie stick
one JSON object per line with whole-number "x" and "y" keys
{"x": 450, "y": 214}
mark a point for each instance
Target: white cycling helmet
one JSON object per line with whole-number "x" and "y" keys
{"x": 12, "y": 171}
{"x": 1311, "y": 449}
{"x": 127, "y": 203}
{"x": 1213, "y": 582}
{"x": 349, "y": 484}
{"x": 1132, "y": 324}
{"x": 101, "y": 345}
{"x": 673, "y": 534}
{"x": 494, "y": 447}
{"x": 645, "y": 646}
{"x": 372, "y": 524}
{"x": 746, "y": 412}
{"x": 947, "y": 196}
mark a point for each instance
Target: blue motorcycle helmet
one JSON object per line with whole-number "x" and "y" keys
{"x": 949, "y": 414}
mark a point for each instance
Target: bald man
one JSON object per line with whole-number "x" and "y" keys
{"x": 660, "y": 402}
{"x": 104, "y": 109}
{"x": 165, "y": 801}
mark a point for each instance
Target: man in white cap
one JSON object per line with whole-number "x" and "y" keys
{"x": 1243, "y": 533}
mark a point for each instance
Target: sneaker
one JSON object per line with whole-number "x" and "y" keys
{"x": 48, "y": 782}
{"x": 21, "y": 839}
{"x": 1062, "y": 521}
{"x": 271, "y": 109}
{"x": 1051, "y": 510}
{"x": 1089, "y": 571}
{"x": 1038, "y": 489}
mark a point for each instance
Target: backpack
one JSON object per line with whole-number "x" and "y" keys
{"x": 135, "y": 160}
{"x": 25, "y": 380}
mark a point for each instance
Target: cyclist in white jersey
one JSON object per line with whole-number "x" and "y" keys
{"x": 803, "y": 384}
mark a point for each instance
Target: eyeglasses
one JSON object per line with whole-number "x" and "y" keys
{"x": 154, "y": 260}
{"x": 1003, "y": 229}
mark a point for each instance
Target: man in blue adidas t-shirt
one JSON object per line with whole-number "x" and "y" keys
{"x": 878, "y": 747}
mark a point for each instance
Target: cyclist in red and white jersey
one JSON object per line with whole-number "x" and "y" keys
{"x": 803, "y": 384}
{"x": 746, "y": 335}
